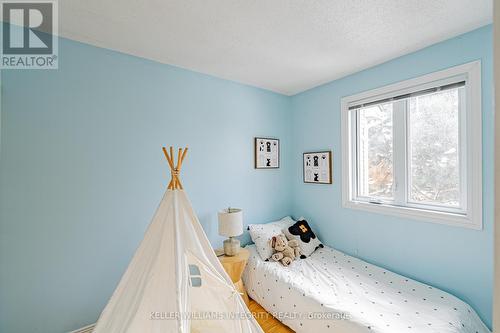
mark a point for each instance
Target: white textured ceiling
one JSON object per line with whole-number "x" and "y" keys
{"x": 286, "y": 46}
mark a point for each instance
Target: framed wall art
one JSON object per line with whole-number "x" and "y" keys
{"x": 318, "y": 167}
{"x": 267, "y": 153}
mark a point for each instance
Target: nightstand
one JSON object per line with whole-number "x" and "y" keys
{"x": 234, "y": 267}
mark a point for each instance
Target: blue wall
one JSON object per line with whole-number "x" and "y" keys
{"x": 455, "y": 259}
{"x": 82, "y": 172}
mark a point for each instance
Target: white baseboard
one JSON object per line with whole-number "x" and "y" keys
{"x": 86, "y": 329}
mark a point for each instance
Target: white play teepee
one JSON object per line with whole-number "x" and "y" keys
{"x": 175, "y": 283}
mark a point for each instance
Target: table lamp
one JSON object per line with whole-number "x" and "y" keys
{"x": 231, "y": 225}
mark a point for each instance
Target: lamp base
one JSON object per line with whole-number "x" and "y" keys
{"x": 231, "y": 246}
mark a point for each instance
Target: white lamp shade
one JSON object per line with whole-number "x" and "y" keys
{"x": 231, "y": 222}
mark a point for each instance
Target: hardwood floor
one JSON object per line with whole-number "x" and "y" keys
{"x": 268, "y": 323}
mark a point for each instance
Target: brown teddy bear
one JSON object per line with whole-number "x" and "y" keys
{"x": 286, "y": 251}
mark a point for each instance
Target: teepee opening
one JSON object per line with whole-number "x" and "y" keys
{"x": 175, "y": 283}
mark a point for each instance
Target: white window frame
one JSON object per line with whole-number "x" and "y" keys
{"x": 471, "y": 161}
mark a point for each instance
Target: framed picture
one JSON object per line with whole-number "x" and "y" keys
{"x": 318, "y": 167}
{"x": 267, "y": 153}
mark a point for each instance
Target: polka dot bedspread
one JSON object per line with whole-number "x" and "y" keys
{"x": 333, "y": 292}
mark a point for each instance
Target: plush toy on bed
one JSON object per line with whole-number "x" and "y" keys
{"x": 285, "y": 251}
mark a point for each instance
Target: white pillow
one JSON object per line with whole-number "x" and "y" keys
{"x": 302, "y": 232}
{"x": 262, "y": 235}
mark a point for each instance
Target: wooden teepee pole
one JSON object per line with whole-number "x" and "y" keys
{"x": 175, "y": 182}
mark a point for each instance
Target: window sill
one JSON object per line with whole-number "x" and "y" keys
{"x": 452, "y": 219}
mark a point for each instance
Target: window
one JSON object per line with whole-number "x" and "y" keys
{"x": 195, "y": 276}
{"x": 413, "y": 149}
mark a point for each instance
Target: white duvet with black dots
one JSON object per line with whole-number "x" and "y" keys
{"x": 333, "y": 292}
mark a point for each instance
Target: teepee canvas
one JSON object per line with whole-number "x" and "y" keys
{"x": 175, "y": 283}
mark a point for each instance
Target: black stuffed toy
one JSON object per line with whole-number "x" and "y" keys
{"x": 304, "y": 231}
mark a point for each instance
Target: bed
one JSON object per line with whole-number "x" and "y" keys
{"x": 333, "y": 292}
